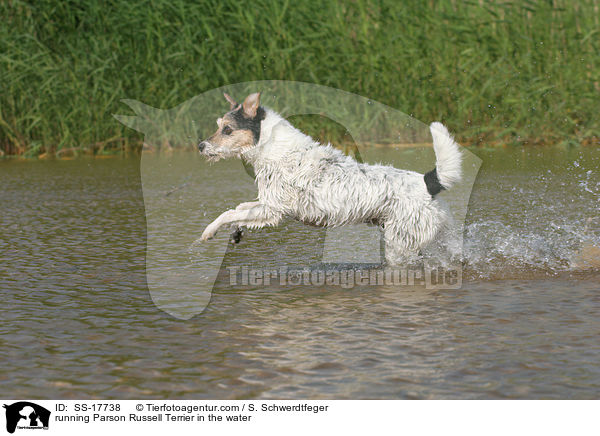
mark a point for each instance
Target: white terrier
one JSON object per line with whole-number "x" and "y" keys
{"x": 299, "y": 178}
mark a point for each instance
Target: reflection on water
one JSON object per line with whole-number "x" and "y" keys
{"x": 78, "y": 321}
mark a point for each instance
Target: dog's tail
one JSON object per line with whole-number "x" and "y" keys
{"x": 448, "y": 158}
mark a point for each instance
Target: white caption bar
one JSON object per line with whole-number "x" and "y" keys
{"x": 157, "y": 417}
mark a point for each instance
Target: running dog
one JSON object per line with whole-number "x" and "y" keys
{"x": 317, "y": 184}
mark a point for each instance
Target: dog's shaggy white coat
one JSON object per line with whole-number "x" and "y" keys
{"x": 317, "y": 184}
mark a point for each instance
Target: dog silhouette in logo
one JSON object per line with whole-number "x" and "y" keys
{"x": 31, "y": 413}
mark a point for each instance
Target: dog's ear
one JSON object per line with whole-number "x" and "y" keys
{"x": 231, "y": 101}
{"x": 251, "y": 105}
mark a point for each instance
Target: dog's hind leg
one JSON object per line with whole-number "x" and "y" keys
{"x": 397, "y": 254}
{"x": 256, "y": 216}
{"x": 400, "y": 248}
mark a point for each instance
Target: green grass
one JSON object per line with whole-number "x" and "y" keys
{"x": 515, "y": 72}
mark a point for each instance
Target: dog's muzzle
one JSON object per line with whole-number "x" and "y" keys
{"x": 202, "y": 146}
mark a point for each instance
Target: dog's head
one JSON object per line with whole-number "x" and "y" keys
{"x": 238, "y": 130}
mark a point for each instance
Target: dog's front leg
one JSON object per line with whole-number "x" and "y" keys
{"x": 247, "y": 205}
{"x": 224, "y": 218}
{"x": 254, "y": 216}
{"x": 212, "y": 229}
{"x": 236, "y": 236}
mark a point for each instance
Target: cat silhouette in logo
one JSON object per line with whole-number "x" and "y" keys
{"x": 30, "y": 412}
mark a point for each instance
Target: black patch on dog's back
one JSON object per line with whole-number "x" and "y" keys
{"x": 252, "y": 124}
{"x": 433, "y": 182}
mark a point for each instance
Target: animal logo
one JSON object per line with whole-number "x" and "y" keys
{"x": 24, "y": 414}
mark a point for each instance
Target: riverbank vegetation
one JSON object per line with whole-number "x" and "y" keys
{"x": 517, "y": 72}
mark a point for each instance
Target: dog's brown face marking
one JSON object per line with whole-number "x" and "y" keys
{"x": 238, "y": 130}
{"x": 230, "y": 140}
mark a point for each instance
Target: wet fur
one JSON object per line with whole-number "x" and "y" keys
{"x": 317, "y": 184}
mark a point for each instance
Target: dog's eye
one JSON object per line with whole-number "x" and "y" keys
{"x": 226, "y": 130}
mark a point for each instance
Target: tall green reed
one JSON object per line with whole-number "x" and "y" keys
{"x": 515, "y": 72}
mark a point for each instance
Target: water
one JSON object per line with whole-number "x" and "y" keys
{"x": 78, "y": 320}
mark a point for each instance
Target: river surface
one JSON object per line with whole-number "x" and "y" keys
{"x": 79, "y": 319}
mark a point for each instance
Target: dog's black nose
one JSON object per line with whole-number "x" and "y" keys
{"x": 201, "y": 146}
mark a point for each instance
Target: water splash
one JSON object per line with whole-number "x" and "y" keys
{"x": 551, "y": 224}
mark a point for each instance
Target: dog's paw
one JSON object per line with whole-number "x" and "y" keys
{"x": 209, "y": 233}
